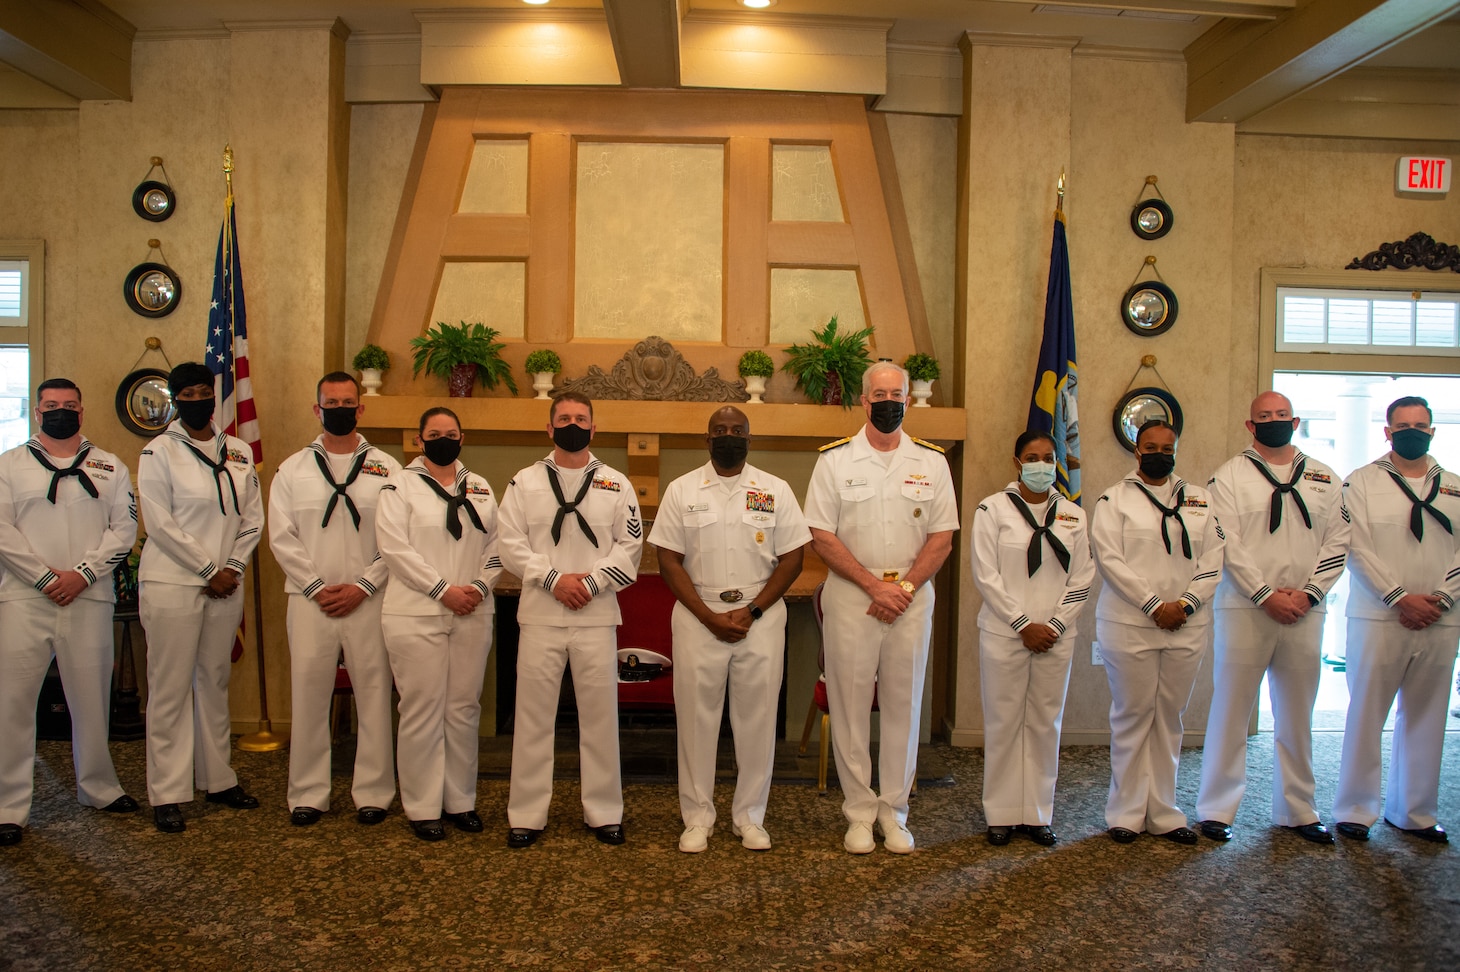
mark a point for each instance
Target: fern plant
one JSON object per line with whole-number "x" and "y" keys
{"x": 830, "y": 353}
{"x": 445, "y": 346}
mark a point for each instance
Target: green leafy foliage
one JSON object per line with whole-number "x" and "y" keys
{"x": 922, "y": 367}
{"x": 543, "y": 361}
{"x": 844, "y": 355}
{"x": 444, "y": 346}
{"x": 756, "y": 364}
{"x": 371, "y": 356}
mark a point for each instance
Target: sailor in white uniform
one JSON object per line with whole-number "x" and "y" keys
{"x": 67, "y": 519}
{"x": 1403, "y": 629}
{"x": 1158, "y": 547}
{"x": 199, "y": 496}
{"x": 437, "y": 531}
{"x": 882, "y": 515}
{"x": 1287, "y": 538}
{"x": 322, "y": 506}
{"x": 1031, "y": 563}
{"x": 730, "y": 539}
{"x": 571, "y": 530}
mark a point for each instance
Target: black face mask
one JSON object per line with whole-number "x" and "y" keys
{"x": 1410, "y": 443}
{"x": 1274, "y": 435}
{"x": 195, "y": 415}
{"x": 571, "y": 438}
{"x": 442, "y": 451}
{"x": 887, "y": 416}
{"x": 339, "y": 421}
{"x": 60, "y": 423}
{"x": 728, "y": 451}
{"x": 1157, "y": 465}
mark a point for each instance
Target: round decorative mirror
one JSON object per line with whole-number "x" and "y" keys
{"x": 1149, "y": 308}
{"x": 144, "y": 403}
{"x": 154, "y": 201}
{"x": 1151, "y": 219}
{"x": 152, "y": 290}
{"x": 1139, "y": 406}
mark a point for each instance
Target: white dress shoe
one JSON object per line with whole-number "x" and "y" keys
{"x": 895, "y": 837}
{"x": 753, "y": 837}
{"x": 859, "y": 838}
{"x": 694, "y": 839}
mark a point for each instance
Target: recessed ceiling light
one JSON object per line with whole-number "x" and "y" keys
{"x": 758, "y": 4}
{"x": 535, "y": 2}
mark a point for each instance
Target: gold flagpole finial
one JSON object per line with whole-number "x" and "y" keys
{"x": 228, "y": 168}
{"x": 1059, "y": 206}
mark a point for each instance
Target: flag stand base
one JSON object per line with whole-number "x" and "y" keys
{"x": 263, "y": 741}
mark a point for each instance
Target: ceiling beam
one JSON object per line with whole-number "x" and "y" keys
{"x": 645, "y": 41}
{"x": 1242, "y": 67}
{"x": 79, "y": 47}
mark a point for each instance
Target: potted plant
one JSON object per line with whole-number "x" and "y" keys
{"x": 829, "y": 369}
{"x": 755, "y": 367}
{"x": 922, "y": 371}
{"x": 371, "y": 361}
{"x": 462, "y": 353}
{"x": 542, "y": 365}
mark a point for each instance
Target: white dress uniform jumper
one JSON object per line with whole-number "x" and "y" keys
{"x": 432, "y": 538}
{"x": 200, "y": 505}
{"x": 1152, "y": 544}
{"x": 1286, "y": 527}
{"x": 322, "y": 510}
{"x": 1406, "y": 540}
{"x": 882, "y": 506}
{"x": 1032, "y": 565}
{"x": 57, "y": 514}
{"x": 732, "y": 532}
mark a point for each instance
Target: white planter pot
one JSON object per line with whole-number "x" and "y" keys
{"x": 921, "y": 390}
{"x": 542, "y": 383}
{"x": 755, "y": 384}
{"x": 370, "y": 380}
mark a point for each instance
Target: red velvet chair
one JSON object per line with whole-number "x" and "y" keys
{"x": 646, "y": 605}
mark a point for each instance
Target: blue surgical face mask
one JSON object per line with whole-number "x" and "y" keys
{"x": 1038, "y": 477}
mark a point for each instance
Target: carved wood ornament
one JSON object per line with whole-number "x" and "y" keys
{"x": 1419, "y": 251}
{"x": 653, "y": 371}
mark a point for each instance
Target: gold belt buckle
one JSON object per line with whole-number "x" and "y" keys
{"x": 890, "y": 575}
{"x": 730, "y": 597}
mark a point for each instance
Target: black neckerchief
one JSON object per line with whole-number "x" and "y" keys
{"x": 1275, "y": 510}
{"x": 1173, "y": 512}
{"x": 339, "y": 488}
{"x": 220, "y": 473}
{"x": 564, "y": 507}
{"x": 455, "y": 503}
{"x": 1419, "y": 506}
{"x": 1035, "y": 554}
{"x": 59, "y": 473}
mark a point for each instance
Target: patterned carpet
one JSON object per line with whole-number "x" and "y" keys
{"x": 247, "y": 891}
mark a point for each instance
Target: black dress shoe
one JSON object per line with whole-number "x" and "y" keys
{"x": 370, "y": 816}
{"x": 1121, "y": 835}
{"x": 1216, "y": 830}
{"x": 168, "y": 818}
{"x": 520, "y": 837}
{"x": 1435, "y": 834}
{"x": 429, "y": 829}
{"x": 1314, "y": 832}
{"x": 998, "y": 836}
{"x": 1353, "y": 831}
{"x": 304, "y": 816}
{"x": 1039, "y": 833}
{"x": 9, "y": 835}
{"x": 608, "y": 833}
{"x": 234, "y": 797}
{"x": 122, "y": 804}
{"x": 467, "y": 821}
{"x": 1181, "y": 835}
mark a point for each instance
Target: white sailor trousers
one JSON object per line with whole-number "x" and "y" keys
{"x": 315, "y": 643}
{"x": 1151, "y": 674}
{"x": 189, "y": 641}
{"x": 79, "y": 636}
{"x": 439, "y": 662}
{"x": 591, "y": 652}
{"x": 1023, "y": 696}
{"x": 703, "y": 665}
{"x": 1385, "y": 660}
{"x": 1249, "y": 644}
{"x": 864, "y": 656}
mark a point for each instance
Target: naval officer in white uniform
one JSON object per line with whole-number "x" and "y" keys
{"x": 730, "y": 538}
{"x": 67, "y": 518}
{"x": 882, "y": 515}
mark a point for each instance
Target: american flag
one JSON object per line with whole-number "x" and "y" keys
{"x": 227, "y": 353}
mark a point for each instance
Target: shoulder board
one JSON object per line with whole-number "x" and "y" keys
{"x": 512, "y": 482}
{"x": 983, "y": 507}
{"x": 833, "y": 445}
{"x": 927, "y": 445}
{"x": 146, "y": 452}
{"x": 388, "y": 486}
{"x": 1104, "y": 498}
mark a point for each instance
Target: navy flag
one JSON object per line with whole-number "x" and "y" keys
{"x": 1052, "y": 407}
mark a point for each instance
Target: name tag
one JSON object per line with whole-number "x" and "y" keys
{"x": 697, "y": 508}
{"x": 854, "y": 482}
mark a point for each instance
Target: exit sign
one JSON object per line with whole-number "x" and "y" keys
{"x": 1421, "y": 173}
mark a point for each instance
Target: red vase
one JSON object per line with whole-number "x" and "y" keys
{"x": 463, "y": 379}
{"x": 833, "y": 393}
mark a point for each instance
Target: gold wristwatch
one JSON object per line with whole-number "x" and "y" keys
{"x": 907, "y": 586}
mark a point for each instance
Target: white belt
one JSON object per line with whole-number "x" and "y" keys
{"x": 730, "y": 595}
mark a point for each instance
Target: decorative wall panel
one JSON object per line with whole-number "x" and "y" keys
{"x": 496, "y": 182}
{"x": 804, "y": 184}
{"x": 492, "y": 293}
